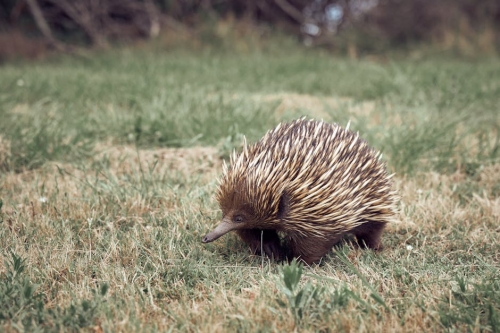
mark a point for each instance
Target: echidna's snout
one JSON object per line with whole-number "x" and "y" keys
{"x": 223, "y": 228}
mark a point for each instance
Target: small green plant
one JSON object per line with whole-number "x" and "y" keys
{"x": 472, "y": 304}
{"x": 310, "y": 301}
{"x": 19, "y": 297}
{"x": 300, "y": 299}
{"x": 23, "y": 306}
{"x": 80, "y": 314}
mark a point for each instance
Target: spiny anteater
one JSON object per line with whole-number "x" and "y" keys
{"x": 309, "y": 181}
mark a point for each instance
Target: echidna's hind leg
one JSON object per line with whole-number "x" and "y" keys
{"x": 259, "y": 241}
{"x": 369, "y": 234}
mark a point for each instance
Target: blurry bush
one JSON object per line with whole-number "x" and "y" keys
{"x": 466, "y": 26}
{"x": 349, "y": 25}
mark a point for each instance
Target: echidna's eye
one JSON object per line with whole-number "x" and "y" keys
{"x": 238, "y": 219}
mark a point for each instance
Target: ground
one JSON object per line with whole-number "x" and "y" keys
{"x": 107, "y": 186}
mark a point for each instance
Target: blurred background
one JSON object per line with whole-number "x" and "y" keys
{"x": 31, "y": 28}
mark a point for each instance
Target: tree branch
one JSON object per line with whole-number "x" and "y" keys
{"x": 290, "y": 10}
{"x": 42, "y": 24}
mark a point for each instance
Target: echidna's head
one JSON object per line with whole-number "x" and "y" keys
{"x": 237, "y": 213}
{"x": 250, "y": 194}
{"x": 246, "y": 205}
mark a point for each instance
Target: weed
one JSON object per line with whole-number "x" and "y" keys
{"x": 300, "y": 300}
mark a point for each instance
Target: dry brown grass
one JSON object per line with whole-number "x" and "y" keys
{"x": 76, "y": 231}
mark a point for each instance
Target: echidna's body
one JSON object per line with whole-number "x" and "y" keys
{"x": 312, "y": 182}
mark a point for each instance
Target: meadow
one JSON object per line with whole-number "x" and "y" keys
{"x": 109, "y": 164}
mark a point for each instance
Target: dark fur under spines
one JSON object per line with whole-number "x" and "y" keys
{"x": 310, "y": 181}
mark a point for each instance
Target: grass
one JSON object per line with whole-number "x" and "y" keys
{"x": 108, "y": 168}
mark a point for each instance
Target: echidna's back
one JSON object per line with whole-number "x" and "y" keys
{"x": 330, "y": 175}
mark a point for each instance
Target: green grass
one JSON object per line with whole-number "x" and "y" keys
{"x": 183, "y": 99}
{"x": 108, "y": 168}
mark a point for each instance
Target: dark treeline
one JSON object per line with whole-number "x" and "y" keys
{"x": 366, "y": 24}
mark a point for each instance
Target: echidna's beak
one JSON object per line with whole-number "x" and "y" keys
{"x": 223, "y": 228}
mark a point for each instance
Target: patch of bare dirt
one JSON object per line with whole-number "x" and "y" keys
{"x": 23, "y": 108}
{"x": 317, "y": 106}
{"x": 5, "y": 152}
{"x": 321, "y": 107}
{"x": 111, "y": 168}
{"x": 187, "y": 162}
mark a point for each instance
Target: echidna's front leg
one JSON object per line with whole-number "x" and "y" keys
{"x": 259, "y": 240}
{"x": 310, "y": 249}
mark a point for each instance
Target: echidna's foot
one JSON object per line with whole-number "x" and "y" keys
{"x": 263, "y": 242}
{"x": 369, "y": 233}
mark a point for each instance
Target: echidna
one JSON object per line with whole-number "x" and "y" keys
{"x": 310, "y": 182}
